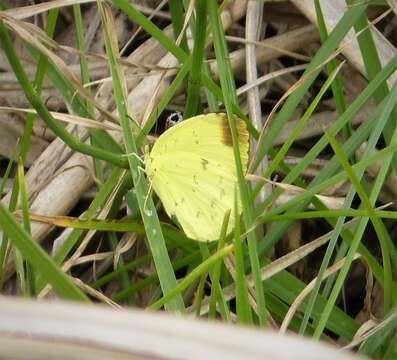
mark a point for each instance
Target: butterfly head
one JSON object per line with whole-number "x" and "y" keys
{"x": 173, "y": 119}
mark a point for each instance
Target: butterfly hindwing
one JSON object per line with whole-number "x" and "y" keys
{"x": 198, "y": 200}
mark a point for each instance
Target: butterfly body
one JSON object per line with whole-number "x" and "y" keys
{"x": 192, "y": 169}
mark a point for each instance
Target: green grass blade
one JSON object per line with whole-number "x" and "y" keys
{"x": 30, "y": 289}
{"x": 392, "y": 99}
{"x": 314, "y": 68}
{"x": 373, "y": 65}
{"x": 196, "y": 273}
{"x": 177, "y": 17}
{"x": 351, "y": 144}
{"x": 39, "y": 259}
{"x": 34, "y": 99}
{"x": 230, "y": 97}
{"x": 29, "y": 122}
{"x": 372, "y": 214}
{"x": 216, "y": 272}
{"x": 337, "y": 85}
{"x": 146, "y": 205}
{"x": 300, "y": 124}
{"x": 374, "y": 137}
{"x": 243, "y": 309}
{"x": 194, "y": 81}
{"x": 165, "y": 100}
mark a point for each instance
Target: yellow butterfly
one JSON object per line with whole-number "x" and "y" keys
{"x": 192, "y": 169}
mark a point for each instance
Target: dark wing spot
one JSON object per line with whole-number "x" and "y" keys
{"x": 222, "y": 194}
{"x": 213, "y": 203}
{"x": 241, "y": 128}
{"x": 195, "y": 179}
{"x": 204, "y": 164}
{"x": 226, "y": 134}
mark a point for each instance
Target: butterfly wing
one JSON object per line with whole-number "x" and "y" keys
{"x": 208, "y": 135}
{"x": 192, "y": 169}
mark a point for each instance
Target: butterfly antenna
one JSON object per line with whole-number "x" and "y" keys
{"x": 135, "y": 155}
{"x": 141, "y": 170}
